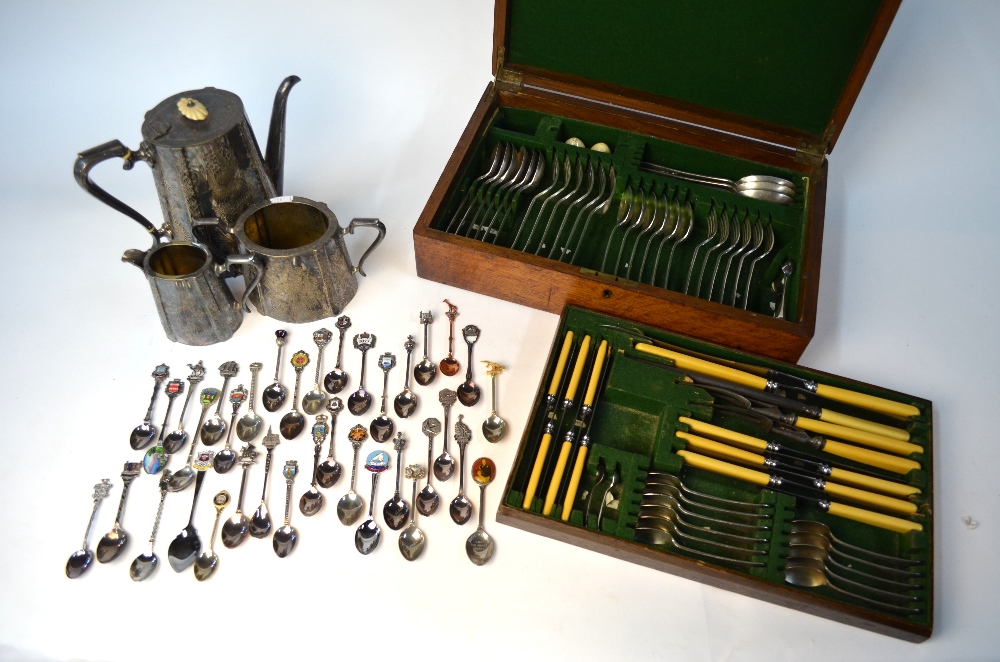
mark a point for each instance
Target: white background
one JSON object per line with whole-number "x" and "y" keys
{"x": 907, "y": 301}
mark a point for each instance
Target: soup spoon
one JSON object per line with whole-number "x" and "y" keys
{"x": 213, "y": 429}
{"x": 260, "y": 523}
{"x": 468, "y": 391}
{"x": 293, "y": 422}
{"x": 449, "y": 365}
{"x": 427, "y": 501}
{"x": 425, "y": 371}
{"x": 143, "y": 433}
{"x": 80, "y": 560}
{"x": 116, "y": 540}
{"x": 382, "y": 427}
{"x": 368, "y": 534}
{"x": 328, "y": 473}
{"x": 412, "y": 539}
{"x": 336, "y": 379}
{"x": 235, "y": 530}
{"x": 405, "y": 401}
{"x": 313, "y": 401}
{"x": 144, "y": 564}
{"x": 479, "y": 546}
{"x": 351, "y": 504}
{"x": 286, "y": 536}
{"x": 359, "y": 401}
{"x": 176, "y": 439}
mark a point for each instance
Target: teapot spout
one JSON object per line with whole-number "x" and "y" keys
{"x": 274, "y": 157}
{"x": 134, "y": 256}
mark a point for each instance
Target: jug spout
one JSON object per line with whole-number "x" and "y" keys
{"x": 134, "y": 256}
{"x": 274, "y": 157}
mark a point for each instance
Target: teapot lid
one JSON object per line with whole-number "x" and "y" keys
{"x": 192, "y": 118}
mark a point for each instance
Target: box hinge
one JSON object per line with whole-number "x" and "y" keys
{"x": 810, "y": 154}
{"x": 507, "y": 80}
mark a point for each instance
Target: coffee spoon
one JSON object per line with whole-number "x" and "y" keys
{"x": 286, "y": 536}
{"x": 427, "y": 501}
{"x": 226, "y": 458}
{"x": 312, "y": 500}
{"x": 351, "y": 504}
{"x": 405, "y": 402}
{"x": 115, "y": 541}
{"x": 395, "y": 510}
{"x": 235, "y": 529}
{"x": 449, "y": 365}
{"x": 180, "y": 479}
{"x": 80, "y": 560}
{"x": 145, "y": 431}
{"x": 293, "y": 422}
{"x": 156, "y": 457}
{"x": 494, "y": 427}
{"x": 274, "y": 395}
{"x": 176, "y": 439}
{"x": 336, "y": 379}
{"x": 359, "y": 401}
{"x": 444, "y": 465}
{"x": 206, "y": 562}
{"x": 425, "y": 371}
{"x": 185, "y": 547}
{"x": 461, "y": 507}
{"x": 144, "y": 564}
{"x": 260, "y": 523}
{"x": 382, "y": 427}
{"x": 468, "y": 391}
{"x": 479, "y": 546}
{"x": 313, "y": 401}
{"x": 249, "y": 426}
{"x": 368, "y": 534}
{"x": 412, "y": 539}
{"x": 328, "y": 473}
{"x": 213, "y": 429}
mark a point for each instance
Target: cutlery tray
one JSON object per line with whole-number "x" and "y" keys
{"x": 637, "y": 414}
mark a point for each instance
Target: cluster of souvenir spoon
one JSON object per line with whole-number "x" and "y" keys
{"x": 654, "y": 219}
{"x": 186, "y": 549}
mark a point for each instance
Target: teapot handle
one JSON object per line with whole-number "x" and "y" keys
{"x": 251, "y": 284}
{"x": 365, "y": 223}
{"x": 88, "y": 159}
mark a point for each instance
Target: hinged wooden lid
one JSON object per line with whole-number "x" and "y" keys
{"x": 785, "y": 71}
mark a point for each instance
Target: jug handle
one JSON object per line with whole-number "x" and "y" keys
{"x": 88, "y": 159}
{"x": 251, "y": 285}
{"x": 365, "y": 223}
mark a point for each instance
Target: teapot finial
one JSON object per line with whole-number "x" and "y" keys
{"x": 192, "y": 108}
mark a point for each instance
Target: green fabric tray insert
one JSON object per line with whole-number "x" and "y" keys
{"x": 785, "y": 61}
{"x": 633, "y": 429}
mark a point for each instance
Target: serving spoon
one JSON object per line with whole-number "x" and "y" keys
{"x": 382, "y": 426}
{"x": 176, "y": 439}
{"x": 328, "y": 473}
{"x": 260, "y": 523}
{"x": 336, "y": 379}
{"x": 143, "y": 433}
{"x": 405, "y": 401}
{"x": 80, "y": 560}
{"x": 116, "y": 540}
{"x": 313, "y": 401}
{"x": 425, "y": 371}
{"x": 359, "y": 401}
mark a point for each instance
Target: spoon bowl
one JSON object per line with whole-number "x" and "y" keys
{"x": 273, "y": 396}
{"x": 180, "y": 479}
{"x": 284, "y": 540}
{"x": 450, "y": 366}
{"x": 142, "y": 436}
{"x": 311, "y": 502}
{"x": 212, "y": 430}
{"x": 234, "y": 530}
{"x": 460, "y": 509}
{"x": 349, "y": 508}
{"x": 292, "y": 424}
{"x": 78, "y": 563}
{"x": 328, "y": 473}
{"x": 428, "y": 500}
{"x": 367, "y": 537}
{"x": 411, "y": 542}
{"x": 313, "y": 401}
{"x": 175, "y": 441}
{"x": 424, "y": 373}
{"x": 359, "y": 402}
{"x": 224, "y": 460}
{"x": 382, "y": 428}
{"x": 395, "y": 513}
{"x": 260, "y": 523}
{"x": 184, "y": 549}
{"x": 204, "y": 565}
{"x": 143, "y": 566}
{"x": 112, "y": 544}
{"x": 248, "y": 427}
{"x": 444, "y": 466}
{"x": 494, "y": 428}
{"x": 468, "y": 393}
{"x": 479, "y": 547}
{"x": 404, "y": 403}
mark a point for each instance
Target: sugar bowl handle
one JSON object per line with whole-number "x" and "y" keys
{"x": 365, "y": 223}
{"x": 251, "y": 285}
{"x": 114, "y": 149}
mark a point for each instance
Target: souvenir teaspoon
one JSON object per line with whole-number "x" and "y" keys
{"x": 494, "y": 427}
{"x": 396, "y": 510}
{"x": 115, "y": 541}
{"x": 461, "y": 507}
{"x": 156, "y": 457}
{"x": 312, "y": 500}
{"x": 144, "y": 564}
{"x": 480, "y": 545}
{"x": 206, "y": 562}
{"x": 235, "y": 530}
{"x": 260, "y": 523}
{"x": 359, "y": 401}
{"x": 468, "y": 391}
{"x": 274, "y": 395}
{"x": 250, "y": 424}
{"x": 351, "y": 504}
{"x": 368, "y": 534}
{"x": 382, "y": 426}
{"x": 449, "y": 365}
{"x": 80, "y": 560}
{"x": 226, "y": 458}
{"x": 185, "y": 547}
{"x": 425, "y": 371}
{"x": 444, "y": 465}
{"x": 427, "y": 501}
{"x": 328, "y": 473}
{"x": 405, "y": 402}
{"x": 313, "y": 401}
{"x": 336, "y": 379}
{"x": 286, "y": 536}
{"x": 176, "y": 439}
{"x": 145, "y": 431}
{"x": 412, "y": 539}
{"x": 293, "y": 422}
{"x": 180, "y": 479}
{"x": 213, "y": 429}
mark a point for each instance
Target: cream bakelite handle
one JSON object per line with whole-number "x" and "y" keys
{"x": 858, "y": 436}
{"x": 602, "y": 352}
{"x": 861, "y": 424}
{"x": 896, "y": 464}
{"x": 574, "y": 483}
{"x": 557, "y": 474}
{"x": 874, "y": 403}
{"x": 581, "y": 363}
{"x": 561, "y": 363}
{"x": 701, "y": 366}
{"x": 536, "y": 471}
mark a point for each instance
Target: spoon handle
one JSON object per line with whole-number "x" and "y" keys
{"x": 354, "y": 469}
{"x": 243, "y": 488}
{"x": 166, "y": 416}
{"x": 100, "y": 493}
{"x": 267, "y": 472}
{"x": 413, "y": 500}
{"x": 156, "y": 521}
{"x": 426, "y": 321}
{"x": 130, "y": 473}
{"x": 187, "y": 401}
{"x": 281, "y": 345}
{"x": 408, "y": 346}
{"x": 340, "y": 348}
{"x": 493, "y": 393}
{"x": 288, "y": 501}
{"x": 255, "y": 369}
{"x": 152, "y": 400}
{"x": 333, "y": 435}
{"x": 468, "y": 370}
{"x": 198, "y": 482}
{"x": 371, "y": 504}
{"x": 364, "y": 355}
{"x": 482, "y": 504}
{"x": 317, "y": 449}
{"x": 222, "y": 392}
{"x": 430, "y": 459}
{"x": 215, "y": 529}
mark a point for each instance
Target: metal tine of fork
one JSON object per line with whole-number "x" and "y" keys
{"x": 601, "y": 209}
{"x": 663, "y": 511}
{"x": 498, "y": 155}
{"x": 745, "y": 234}
{"x": 568, "y": 195}
{"x": 662, "y": 477}
{"x": 687, "y": 218}
{"x": 711, "y": 228}
{"x": 573, "y": 205}
{"x": 660, "y": 212}
{"x": 663, "y": 489}
{"x": 615, "y": 477}
{"x": 670, "y": 526}
{"x": 531, "y": 184}
{"x": 602, "y": 182}
{"x": 768, "y": 247}
{"x": 484, "y": 188}
{"x": 734, "y": 239}
{"x": 514, "y": 172}
{"x": 645, "y": 226}
{"x": 652, "y": 498}
{"x": 598, "y": 479}
{"x": 656, "y": 537}
{"x": 567, "y": 170}
{"x": 639, "y": 219}
{"x": 521, "y": 180}
{"x": 758, "y": 239}
{"x": 541, "y": 195}
{"x": 625, "y": 205}
{"x": 674, "y": 221}
{"x": 722, "y": 237}
{"x": 812, "y": 552}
